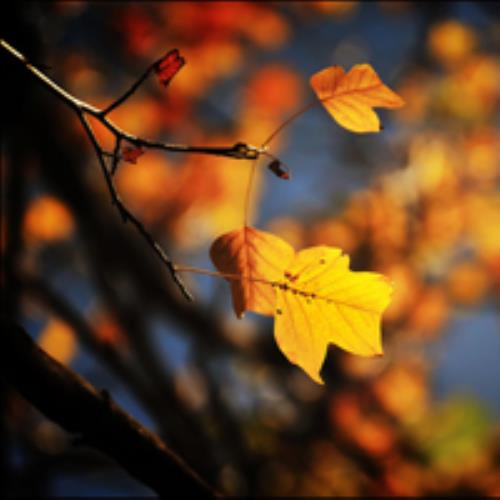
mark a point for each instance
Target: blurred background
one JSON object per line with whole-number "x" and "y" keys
{"x": 419, "y": 202}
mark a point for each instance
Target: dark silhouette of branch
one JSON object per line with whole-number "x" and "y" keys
{"x": 238, "y": 151}
{"x": 82, "y": 109}
{"x": 183, "y": 430}
{"x": 107, "y": 354}
{"x": 110, "y": 253}
{"x": 78, "y": 407}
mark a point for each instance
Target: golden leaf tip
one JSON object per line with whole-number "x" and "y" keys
{"x": 316, "y": 378}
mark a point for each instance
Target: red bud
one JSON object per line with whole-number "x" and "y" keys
{"x": 168, "y": 66}
{"x": 276, "y": 167}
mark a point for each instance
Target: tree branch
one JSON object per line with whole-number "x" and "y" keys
{"x": 238, "y": 151}
{"x": 81, "y": 108}
{"x": 78, "y": 407}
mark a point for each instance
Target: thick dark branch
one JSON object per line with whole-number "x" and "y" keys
{"x": 104, "y": 353}
{"x": 78, "y": 407}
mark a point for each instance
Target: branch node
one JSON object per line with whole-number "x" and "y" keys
{"x": 123, "y": 211}
{"x": 241, "y": 150}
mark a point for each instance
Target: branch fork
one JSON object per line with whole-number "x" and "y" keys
{"x": 165, "y": 68}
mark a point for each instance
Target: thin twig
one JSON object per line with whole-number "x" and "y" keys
{"x": 166, "y": 68}
{"x": 82, "y": 108}
{"x": 128, "y": 93}
{"x": 238, "y": 151}
{"x": 126, "y": 214}
{"x": 115, "y": 156}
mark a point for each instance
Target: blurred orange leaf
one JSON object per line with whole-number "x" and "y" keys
{"x": 403, "y": 392}
{"x": 316, "y": 299}
{"x": 451, "y": 42}
{"x": 350, "y": 97}
{"x": 467, "y": 283}
{"x": 429, "y": 312}
{"x": 47, "y": 219}
{"x": 59, "y": 341}
{"x": 337, "y": 8}
{"x": 108, "y": 331}
{"x": 274, "y": 90}
{"x": 148, "y": 187}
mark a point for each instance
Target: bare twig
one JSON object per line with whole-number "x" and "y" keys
{"x": 128, "y": 93}
{"x": 81, "y": 108}
{"x": 125, "y": 213}
{"x": 238, "y": 151}
{"x": 79, "y": 408}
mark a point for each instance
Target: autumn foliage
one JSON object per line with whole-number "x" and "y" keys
{"x": 344, "y": 335}
{"x": 314, "y": 297}
{"x": 349, "y": 97}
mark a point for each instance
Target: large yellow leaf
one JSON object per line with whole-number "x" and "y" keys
{"x": 350, "y": 97}
{"x": 316, "y": 299}
{"x": 252, "y": 259}
{"x": 321, "y": 302}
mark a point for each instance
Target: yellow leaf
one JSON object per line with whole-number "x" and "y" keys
{"x": 350, "y": 97}
{"x": 255, "y": 258}
{"x": 321, "y": 302}
{"x": 316, "y": 299}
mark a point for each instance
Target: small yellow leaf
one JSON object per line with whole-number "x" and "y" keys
{"x": 254, "y": 258}
{"x": 350, "y": 97}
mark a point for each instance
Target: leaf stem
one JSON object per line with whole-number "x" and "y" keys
{"x": 218, "y": 274}
{"x": 248, "y": 192}
{"x": 288, "y": 121}
{"x": 263, "y": 148}
{"x": 128, "y": 93}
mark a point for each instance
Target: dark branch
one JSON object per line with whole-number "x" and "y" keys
{"x": 82, "y": 109}
{"x": 239, "y": 151}
{"x": 78, "y": 407}
{"x": 125, "y": 213}
{"x": 128, "y": 93}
